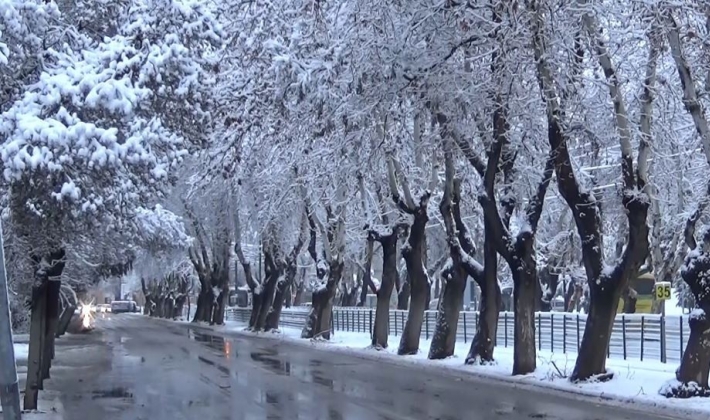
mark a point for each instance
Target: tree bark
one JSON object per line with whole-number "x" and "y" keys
{"x": 220, "y": 307}
{"x": 525, "y": 282}
{"x": 593, "y": 349}
{"x": 404, "y": 294}
{"x": 693, "y": 371}
{"x": 36, "y": 348}
{"x": 267, "y": 300}
{"x": 273, "y": 274}
{"x": 283, "y": 290}
{"x": 546, "y": 288}
{"x": 443, "y": 342}
{"x": 47, "y": 270}
{"x": 205, "y": 298}
{"x": 318, "y": 321}
{"x": 418, "y": 280}
{"x": 366, "y": 273}
{"x": 380, "y": 334}
{"x": 51, "y": 325}
{"x": 300, "y": 290}
{"x": 65, "y": 320}
{"x": 483, "y": 343}
{"x": 286, "y": 271}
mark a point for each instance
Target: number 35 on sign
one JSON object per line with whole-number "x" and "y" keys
{"x": 662, "y": 290}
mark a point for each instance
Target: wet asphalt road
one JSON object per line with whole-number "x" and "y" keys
{"x": 135, "y": 368}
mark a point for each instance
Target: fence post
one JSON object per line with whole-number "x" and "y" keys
{"x": 577, "y": 332}
{"x": 505, "y": 319}
{"x": 623, "y": 333}
{"x": 552, "y": 332}
{"x": 663, "y": 339}
{"x": 395, "y": 324}
{"x": 371, "y": 330}
{"x": 464, "y": 327}
{"x": 682, "y": 342}
{"x": 643, "y": 328}
{"x": 539, "y": 330}
{"x": 564, "y": 333}
{"x": 426, "y": 319}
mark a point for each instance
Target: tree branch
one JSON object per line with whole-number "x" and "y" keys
{"x": 690, "y": 96}
{"x": 647, "y": 106}
{"x": 394, "y": 190}
{"x": 692, "y": 221}
{"x": 620, "y": 113}
{"x": 534, "y": 209}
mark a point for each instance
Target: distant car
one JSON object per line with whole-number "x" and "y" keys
{"x": 103, "y": 308}
{"x": 123, "y": 306}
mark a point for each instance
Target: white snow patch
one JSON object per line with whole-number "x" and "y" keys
{"x": 22, "y": 351}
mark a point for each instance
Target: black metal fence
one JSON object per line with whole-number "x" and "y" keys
{"x": 634, "y": 336}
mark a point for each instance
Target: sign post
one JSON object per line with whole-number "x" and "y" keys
{"x": 662, "y": 292}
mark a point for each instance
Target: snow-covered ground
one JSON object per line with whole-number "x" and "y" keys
{"x": 672, "y": 307}
{"x": 22, "y": 350}
{"x": 635, "y": 382}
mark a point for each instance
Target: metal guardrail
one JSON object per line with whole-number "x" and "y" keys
{"x": 634, "y": 336}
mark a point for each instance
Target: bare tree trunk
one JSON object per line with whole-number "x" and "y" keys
{"x": 36, "y": 348}
{"x": 447, "y": 319}
{"x": 51, "y": 325}
{"x": 220, "y": 307}
{"x": 524, "y": 280}
{"x": 600, "y": 320}
{"x": 283, "y": 289}
{"x": 366, "y": 273}
{"x": 47, "y": 270}
{"x": 269, "y": 289}
{"x": 483, "y": 343}
{"x": 318, "y": 322}
{"x": 404, "y": 294}
{"x": 380, "y": 334}
{"x": 693, "y": 371}
{"x": 203, "y": 313}
{"x": 65, "y": 320}
{"x": 267, "y": 300}
{"x": 418, "y": 281}
{"x": 546, "y": 288}
{"x": 288, "y": 295}
{"x": 300, "y": 290}
{"x": 256, "y": 303}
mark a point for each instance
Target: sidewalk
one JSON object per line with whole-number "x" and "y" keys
{"x": 635, "y": 384}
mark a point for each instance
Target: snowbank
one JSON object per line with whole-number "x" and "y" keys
{"x": 635, "y": 383}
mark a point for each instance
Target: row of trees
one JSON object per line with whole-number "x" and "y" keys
{"x": 515, "y": 139}
{"x": 501, "y": 141}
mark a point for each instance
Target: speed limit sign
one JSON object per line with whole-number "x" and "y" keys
{"x": 662, "y": 290}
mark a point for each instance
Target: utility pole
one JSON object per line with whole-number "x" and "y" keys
{"x": 9, "y": 389}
